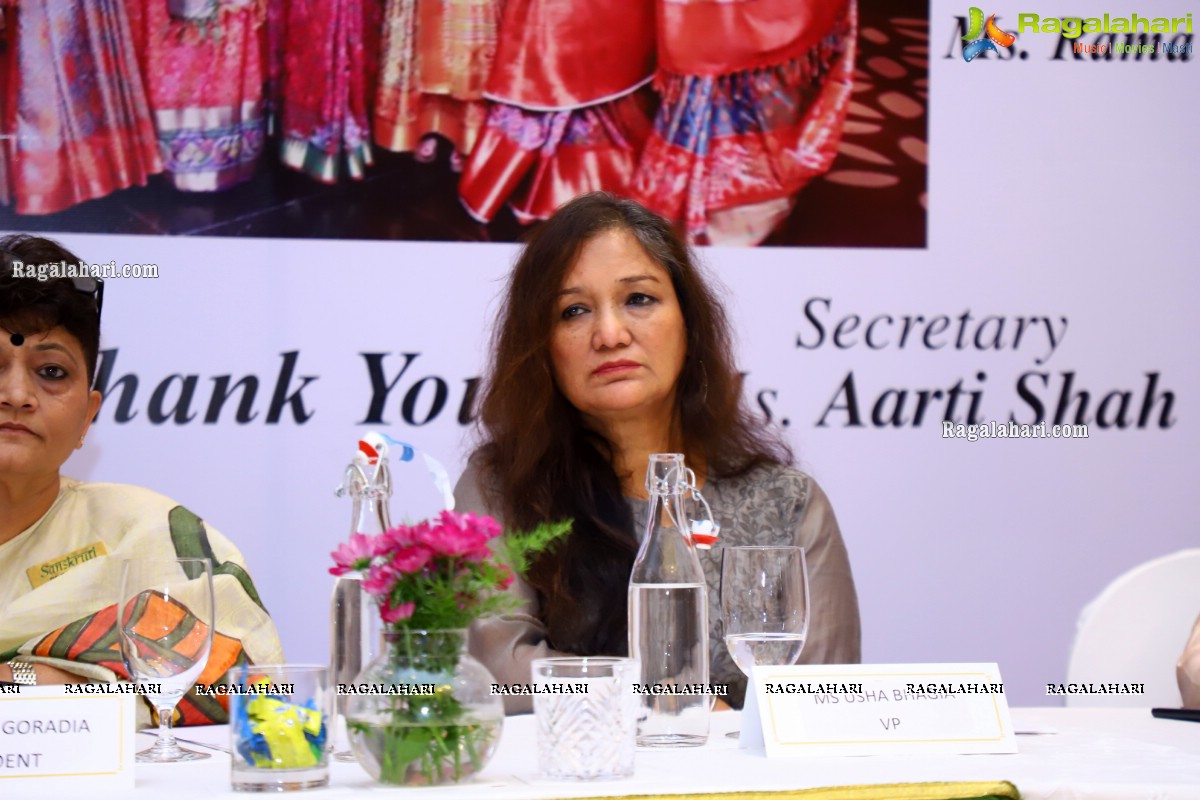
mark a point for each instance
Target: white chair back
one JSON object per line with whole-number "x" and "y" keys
{"x": 1135, "y": 630}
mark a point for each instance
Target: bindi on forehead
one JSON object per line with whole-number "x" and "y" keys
{"x": 15, "y": 338}
{"x": 46, "y": 341}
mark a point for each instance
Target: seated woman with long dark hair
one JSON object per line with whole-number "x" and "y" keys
{"x": 612, "y": 347}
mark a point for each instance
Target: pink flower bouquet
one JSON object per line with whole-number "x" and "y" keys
{"x": 441, "y": 573}
{"x": 430, "y": 581}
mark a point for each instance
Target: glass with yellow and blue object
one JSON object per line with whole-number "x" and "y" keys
{"x": 279, "y": 718}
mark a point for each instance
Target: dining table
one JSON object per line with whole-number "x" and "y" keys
{"x": 1063, "y": 754}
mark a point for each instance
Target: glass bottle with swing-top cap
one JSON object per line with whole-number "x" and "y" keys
{"x": 668, "y": 611}
{"x": 354, "y": 619}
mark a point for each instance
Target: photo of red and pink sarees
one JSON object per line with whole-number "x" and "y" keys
{"x": 75, "y": 119}
{"x": 330, "y": 62}
{"x": 436, "y": 56}
{"x": 469, "y": 119}
{"x": 754, "y": 97}
{"x": 204, "y": 65}
{"x": 569, "y": 111}
{"x": 748, "y": 104}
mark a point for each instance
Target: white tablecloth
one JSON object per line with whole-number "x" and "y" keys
{"x": 1092, "y": 754}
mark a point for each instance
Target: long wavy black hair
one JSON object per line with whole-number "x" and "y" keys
{"x": 541, "y": 463}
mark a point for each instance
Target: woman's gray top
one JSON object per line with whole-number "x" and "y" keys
{"x": 769, "y": 505}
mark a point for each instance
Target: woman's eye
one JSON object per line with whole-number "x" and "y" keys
{"x": 572, "y": 311}
{"x": 639, "y": 299}
{"x": 52, "y": 372}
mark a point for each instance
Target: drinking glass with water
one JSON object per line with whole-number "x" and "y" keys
{"x": 764, "y": 605}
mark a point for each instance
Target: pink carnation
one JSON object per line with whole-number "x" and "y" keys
{"x": 404, "y": 535}
{"x": 354, "y": 555}
{"x": 379, "y": 580}
{"x": 460, "y": 535}
{"x": 393, "y": 614}
{"x": 486, "y": 526}
{"x": 443, "y": 559}
{"x": 410, "y": 559}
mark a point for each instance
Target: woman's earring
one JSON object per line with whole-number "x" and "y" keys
{"x": 80, "y": 443}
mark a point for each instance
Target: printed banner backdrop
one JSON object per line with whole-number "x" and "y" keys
{"x": 456, "y": 122}
{"x": 1056, "y": 285}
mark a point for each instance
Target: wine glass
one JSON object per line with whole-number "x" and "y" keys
{"x": 165, "y": 623}
{"x": 764, "y": 605}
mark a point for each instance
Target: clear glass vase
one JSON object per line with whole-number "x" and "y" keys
{"x": 423, "y": 712}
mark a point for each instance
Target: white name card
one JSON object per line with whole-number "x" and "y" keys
{"x": 58, "y": 741}
{"x": 877, "y": 709}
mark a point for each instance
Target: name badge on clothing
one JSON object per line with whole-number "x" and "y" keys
{"x": 43, "y": 573}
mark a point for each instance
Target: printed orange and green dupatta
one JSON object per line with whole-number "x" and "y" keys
{"x": 241, "y": 619}
{"x": 93, "y": 640}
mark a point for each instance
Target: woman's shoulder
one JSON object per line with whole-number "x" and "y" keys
{"x": 113, "y": 493}
{"x": 120, "y": 501}
{"x": 759, "y": 505}
{"x": 475, "y": 490}
{"x": 771, "y": 498}
{"x": 767, "y": 481}
{"x": 121, "y": 512}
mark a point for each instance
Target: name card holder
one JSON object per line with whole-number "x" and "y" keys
{"x": 877, "y": 709}
{"x": 59, "y": 742}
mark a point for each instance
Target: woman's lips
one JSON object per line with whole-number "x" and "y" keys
{"x": 613, "y": 367}
{"x": 13, "y": 427}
